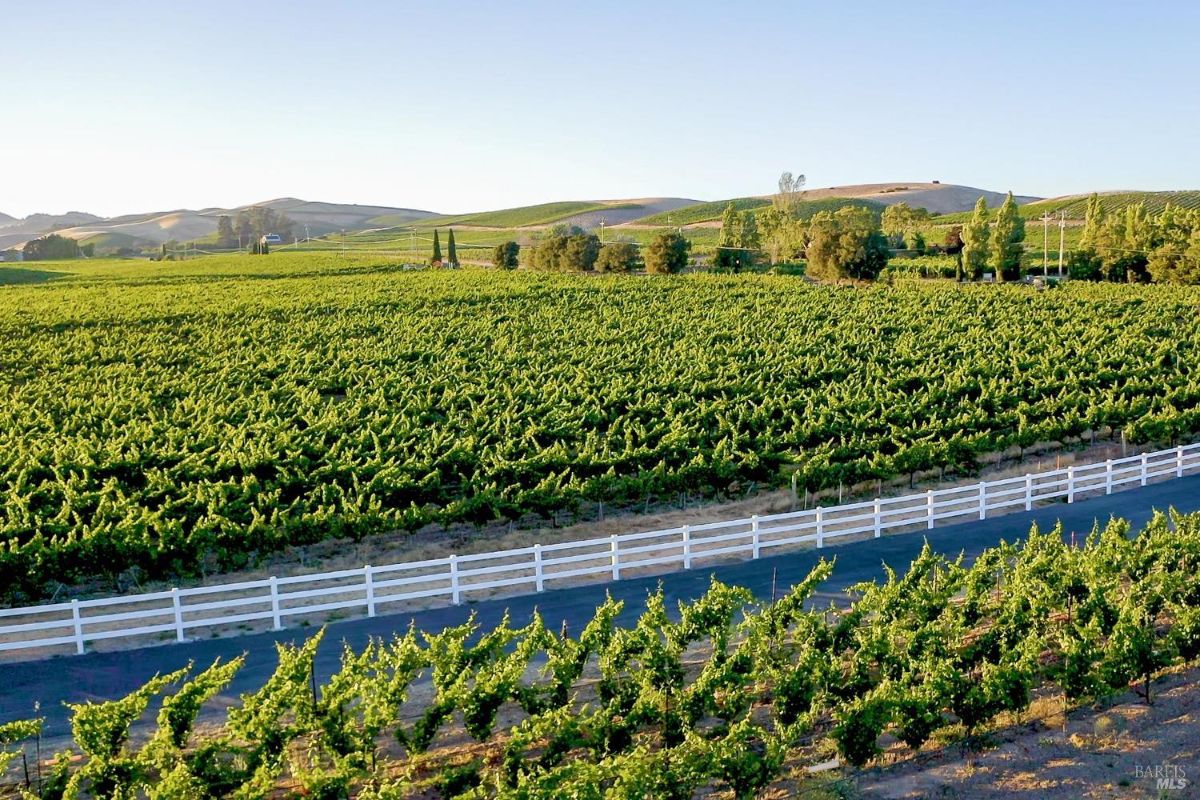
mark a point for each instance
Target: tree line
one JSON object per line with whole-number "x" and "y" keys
{"x": 250, "y": 225}
{"x": 569, "y": 248}
{"x": 1136, "y": 246}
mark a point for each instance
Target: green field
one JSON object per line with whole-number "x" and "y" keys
{"x": 180, "y": 416}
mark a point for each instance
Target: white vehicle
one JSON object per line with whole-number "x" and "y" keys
{"x": 272, "y": 238}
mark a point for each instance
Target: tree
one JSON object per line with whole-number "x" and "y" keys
{"x": 576, "y": 251}
{"x": 1007, "y": 237}
{"x": 739, "y": 242}
{"x": 257, "y": 221}
{"x": 790, "y": 189}
{"x": 846, "y": 244}
{"x": 1093, "y": 219}
{"x": 783, "y": 236}
{"x": 617, "y": 257}
{"x": 50, "y": 247}
{"x": 225, "y": 235}
{"x": 451, "y": 251}
{"x": 667, "y": 253}
{"x": 953, "y": 243}
{"x": 900, "y": 224}
{"x": 506, "y": 255}
{"x": 1174, "y": 263}
{"x": 975, "y": 235}
{"x": 435, "y": 260}
{"x": 580, "y": 252}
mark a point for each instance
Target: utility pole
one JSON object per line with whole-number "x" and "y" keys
{"x": 1062, "y": 240}
{"x": 1045, "y": 244}
{"x": 602, "y": 230}
{"x": 307, "y": 238}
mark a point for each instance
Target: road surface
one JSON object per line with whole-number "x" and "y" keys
{"x": 107, "y": 676}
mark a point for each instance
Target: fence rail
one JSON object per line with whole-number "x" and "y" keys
{"x": 375, "y": 589}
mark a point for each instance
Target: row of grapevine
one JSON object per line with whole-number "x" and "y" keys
{"x": 722, "y": 693}
{"x": 186, "y": 424}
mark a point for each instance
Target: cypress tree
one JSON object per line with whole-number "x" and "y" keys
{"x": 436, "y": 259}
{"x": 451, "y": 253}
{"x": 975, "y": 235}
{"x": 1008, "y": 232}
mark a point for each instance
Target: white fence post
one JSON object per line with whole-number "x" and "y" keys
{"x": 455, "y": 594}
{"x": 614, "y": 549}
{"x": 983, "y": 499}
{"x": 538, "y": 577}
{"x": 179, "y": 637}
{"x": 1028, "y": 492}
{"x": 687, "y": 546}
{"x": 276, "y": 621}
{"x": 369, "y": 580}
{"x": 1108, "y": 476}
{"x": 820, "y": 527}
{"x": 754, "y": 534}
{"x": 78, "y": 626}
{"x": 929, "y": 507}
{"x": 878, "y": 518}
{"x": 1144, "y": 473}
{"x": 1179, "y": 461}
{"x": 1070, "y": 484}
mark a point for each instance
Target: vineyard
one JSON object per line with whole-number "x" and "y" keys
{"x": 724, "y": 694}
{"x": 190, "y": 417}
{"x": 711, "y": 212}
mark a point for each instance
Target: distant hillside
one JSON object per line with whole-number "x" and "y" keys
{"x": 938, "y": 198}
{"x": 1075, "y": 204}
{"x": 6, "y": 219}
{"x": 154, "y": 228}
{"x": 584, "y": 213}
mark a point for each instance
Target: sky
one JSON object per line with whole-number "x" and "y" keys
{"x": 122, "y": 106}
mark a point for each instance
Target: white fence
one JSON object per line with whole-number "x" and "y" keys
{"x": 375, "y": 589}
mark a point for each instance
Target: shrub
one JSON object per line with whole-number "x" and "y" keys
{"x": 617, "y": 257}
{"x": 667, "y": 253}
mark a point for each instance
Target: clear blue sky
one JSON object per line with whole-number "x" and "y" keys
{"x": 122, "y": 106}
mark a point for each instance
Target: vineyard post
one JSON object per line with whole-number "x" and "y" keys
{"x": 275, "y": 617}
{"x": 1179, "y": 461}
{"x": 929, "y": 508}
{"x": 687, "y": 546}
{"x": 615, "y": 550}
{"x": 1070, "y": 484}
{"x": 1028, "y": 492}
{"x": 1144, "y": 476}
{"x": 754, "y": 532}
{"x": 537, "y": 567}
{"x": 369, "y": 582}
{"x": 1108, "y": 476}
{"x": 820, "y": 527}
{"x": 455, "y": 595}
{"x": 878, "y": 518}
{"x": 78, "y": 626}
{"x": 983, "y": 499}
{"x": 179, "y": 637}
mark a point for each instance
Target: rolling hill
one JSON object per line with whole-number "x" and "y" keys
{"x": 154, "y": 228}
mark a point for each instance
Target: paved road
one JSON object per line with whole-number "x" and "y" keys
{"x": 105, "y": 676}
